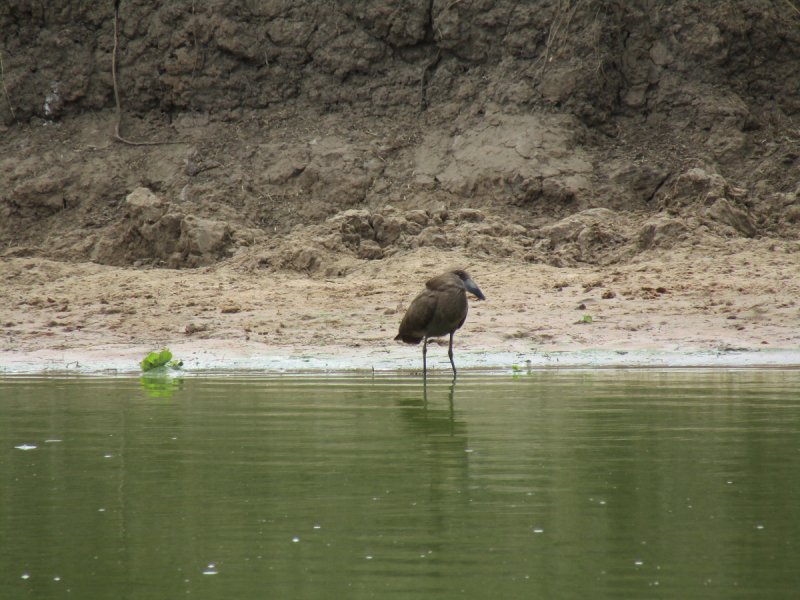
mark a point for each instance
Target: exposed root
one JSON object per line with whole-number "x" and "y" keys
{"x": 3, "y": 73}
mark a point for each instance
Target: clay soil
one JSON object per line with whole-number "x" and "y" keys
{"x": 615, "y": 177}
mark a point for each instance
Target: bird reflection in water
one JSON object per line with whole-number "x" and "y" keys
{"x": 433, "y": 417}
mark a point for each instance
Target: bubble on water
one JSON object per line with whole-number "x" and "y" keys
{"x": 208, "y": 572}
{"x": 468, "y": 450}
{"x": 369, "y": 557}
{"x": 317, "y": 526}
{"x": 759, "y": 526}
{"x": 26, "y": 575}
{"x": 638, "y": 563}
{"x": 538, "y": 530}
{"x": 108, "y": 456}
{"x": 101, "y": 510}
{"x": 51, "y": 441}
{"x": 25, "y": 447}
{"x": 57, "y": 578}
{"x": 602, "y": 502}
{"x": 295, "y": 539}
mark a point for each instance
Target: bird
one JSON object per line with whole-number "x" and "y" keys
{"x": 438, "y": 310}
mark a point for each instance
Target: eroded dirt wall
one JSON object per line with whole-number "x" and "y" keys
{"x": 682, "y": 114}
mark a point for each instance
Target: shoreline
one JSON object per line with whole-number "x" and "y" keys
{"x": 227, "y": 359}
{"x": 711, "y": 311}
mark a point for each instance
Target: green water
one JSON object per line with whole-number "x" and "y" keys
{"x": 554, "y": 484}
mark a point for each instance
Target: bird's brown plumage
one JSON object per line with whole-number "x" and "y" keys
{"x": 440, "y": 309}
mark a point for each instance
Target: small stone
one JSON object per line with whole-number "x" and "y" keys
{"x": 369, "y": 250}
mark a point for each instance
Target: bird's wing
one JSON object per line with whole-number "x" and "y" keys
{"x": 419, "y": 315}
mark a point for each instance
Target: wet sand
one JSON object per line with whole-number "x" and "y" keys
{"x": 684, "y": 309}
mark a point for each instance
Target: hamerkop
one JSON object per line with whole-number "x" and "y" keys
{"x": 440, "y": 308}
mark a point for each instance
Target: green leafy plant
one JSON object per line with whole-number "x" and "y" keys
{"x": 587, "y": 319}
{"x": 160, "y": 359}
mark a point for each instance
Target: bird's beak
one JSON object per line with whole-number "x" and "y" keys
{"x": 473, "y": 288}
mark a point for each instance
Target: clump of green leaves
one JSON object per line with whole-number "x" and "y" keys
{"x": 160, "y": 359}
{"x": 587, "y": 319}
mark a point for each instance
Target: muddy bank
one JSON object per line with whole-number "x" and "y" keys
{"x": 732, "y": 307}
{"x": 639, "y": 161}
{"x": 678, "y": 115}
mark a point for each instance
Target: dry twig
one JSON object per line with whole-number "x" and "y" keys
{"x": 3, "y": 73}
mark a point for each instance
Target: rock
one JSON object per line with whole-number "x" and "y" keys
{"x": 426, "y": 182}
{"x": 439, "y": 216}
{"x": 145, "y": 206}
{"x": 723, "y": 212}
{"x": 587, "y": 237}
{"x": 175, "y": 260}
{"x": 525, "y": 190}
{"x": 389, "y": 230}
{"x": 354, "y": 225}
{"x": 431, "y": 236}
{"x": 370, "y": 250}
{"x": 792, "y": 214}
{"x": 195, "y": 327}
{"x": 420, "y": 217}
{"x": 413, "y": 228}
{"x": 642, "y": 180}
{"x": 203, "y": 238}
{"x": 514, "y": 230}
{"x": 305, "y": 259}
{"x": 557, "y": 192}
{"x": 468, "y": 215}
{"x": 699, "y": 184}
{"x": 660, "y": 232}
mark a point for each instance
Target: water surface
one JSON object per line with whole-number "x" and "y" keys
{"x": 548, "y": 484}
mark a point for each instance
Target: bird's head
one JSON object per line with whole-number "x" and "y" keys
{"x": 469, "y": 284}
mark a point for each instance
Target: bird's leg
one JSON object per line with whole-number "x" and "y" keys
{"x": 450, "y": 354}
{"x": 424, "y": 352}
